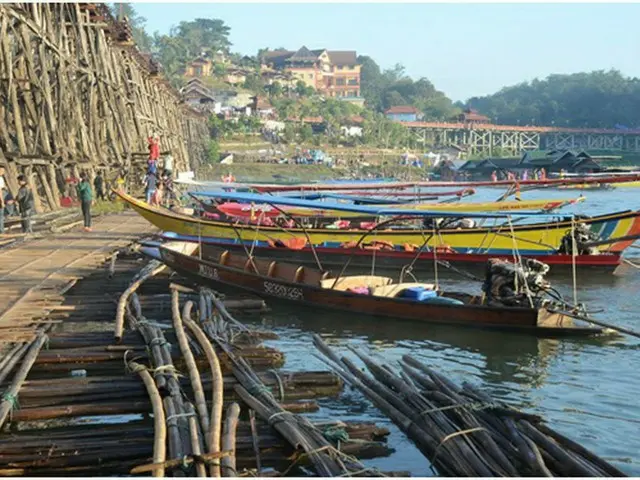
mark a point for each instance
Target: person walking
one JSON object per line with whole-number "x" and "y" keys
{"x": 98, "y": 184}
{"x": 151, "y": 183}
{"x": 25, "y": 204}
{"x": 85, "y": 195}
{"x": 170, "y": 194}
{"x": 2, "y": 189}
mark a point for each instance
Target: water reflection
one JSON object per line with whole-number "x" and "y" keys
{"x": 496, "y": 357}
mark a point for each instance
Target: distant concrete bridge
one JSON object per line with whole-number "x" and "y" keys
{"x": 488, "y": 139}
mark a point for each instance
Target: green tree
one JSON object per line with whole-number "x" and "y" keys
{"x": 254, "y": 83}
{"x": 187, "y": 41}
{"x": 289, "y": 133}
{"x": 219, "y": 69}
{"x": 306, "y": 133}
{"x": 303, "y": 90}
{"x": 597, "y": 99}
{"x": 204, "y": 34}
{"x": 371, "y": 82}
{"x": 275, "y": 89}
{"x": 213, "y": 152}
{"x": 392, "y": 87}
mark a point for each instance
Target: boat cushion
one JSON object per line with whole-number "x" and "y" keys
{"x": 419, "y": 294}
{"x": 345, "y": 283}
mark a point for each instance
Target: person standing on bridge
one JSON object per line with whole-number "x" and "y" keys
{"x": 98, "y": 184}
{"x": 151, "y": 183}
{"x": 85, "y": 195}
{"x": 25, "y": 203}
{"x": 154, "y": 151}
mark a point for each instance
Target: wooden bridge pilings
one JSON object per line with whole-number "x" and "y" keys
{"x": 77, "y": 95}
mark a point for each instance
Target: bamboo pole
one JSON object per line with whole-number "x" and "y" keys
{"x": 229, "y": 441}
{"x": 195, "y": 442}
{"x": 160, "y": 429}
{"x": 153, "y": 268}
{"x": 10, "y": 396}
{"x": 194, "y": 374}
{"x": 217, "y": 385}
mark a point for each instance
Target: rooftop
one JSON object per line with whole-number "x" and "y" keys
{"x": 342, "y": 57}
{"x": 402, "y": 109}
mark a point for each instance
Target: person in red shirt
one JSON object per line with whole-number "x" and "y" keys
{"x": 154, "y": 151}
{"x": 154, "y": 147}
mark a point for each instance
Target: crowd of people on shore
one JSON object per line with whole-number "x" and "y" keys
{"x": 22, "y": 203}
{"x": 159, "y": 190}
{"x": 537, "y": 174}
{"x": 158, "y": 181}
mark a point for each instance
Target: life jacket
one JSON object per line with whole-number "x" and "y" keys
{"x": 444, "y": 249}
{"x": 380, "y": 245}
{"x": 410, "y": 247}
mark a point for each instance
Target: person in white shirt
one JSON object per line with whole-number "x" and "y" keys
{"x": 168, "y": 164}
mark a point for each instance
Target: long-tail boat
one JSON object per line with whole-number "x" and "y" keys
{"x": 298, "y": 250}
{"x": 319, "y": 187}
{"x": 530, "y": 239}
{"x": 255, "y": 210}
{"x": 367, "y": 294}
{"x": 617, "y": 179}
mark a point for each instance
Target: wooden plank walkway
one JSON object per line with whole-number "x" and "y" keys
{"x": 34, "y": 275}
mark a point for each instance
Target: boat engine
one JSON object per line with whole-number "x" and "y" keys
{"x": 505, "y": 282}
{"x": 583, "y": 235}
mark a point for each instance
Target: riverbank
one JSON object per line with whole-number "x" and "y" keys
{"x": 273, "y": 172}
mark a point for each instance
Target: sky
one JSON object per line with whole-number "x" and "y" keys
{"x": 464, "y": 49}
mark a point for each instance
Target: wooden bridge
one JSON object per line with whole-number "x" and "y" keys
{"x": 76, "y": 94}
{"x": 491, "y": 139}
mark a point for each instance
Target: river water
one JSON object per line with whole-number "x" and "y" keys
{"x": 588, "y": 390}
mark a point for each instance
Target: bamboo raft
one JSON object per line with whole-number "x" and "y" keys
{"x": 76, "y": 402}
{"x": 462, "y": 430}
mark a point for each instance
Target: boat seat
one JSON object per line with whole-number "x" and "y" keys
{"x": 393, "y": 290}
{"x": 272, "y": 269}
{"x": 345, "y": 283}
{"x": 299, "y": 275}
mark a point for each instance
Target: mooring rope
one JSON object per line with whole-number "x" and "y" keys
{"x": 279, "y": 381}
{"x": 12, "y": 399}
{"x": 180, "y": 415}
{"x": 276, "y": 415}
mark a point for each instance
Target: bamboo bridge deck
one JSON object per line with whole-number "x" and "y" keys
{"x": 35, "y": 274}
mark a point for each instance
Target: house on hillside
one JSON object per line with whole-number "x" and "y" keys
{"x": 200, "y": 67}
{"x": 403, "y": 113}
{"x": 333, "y": 73}
{"x": 472, "y": 117}
{"x": 261, "y": 107}
{"x": 197, "y": 95}
{"x": 232, "y": 99}
{"x": 235, "y": 76}
{"x": 285, "y": 79}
